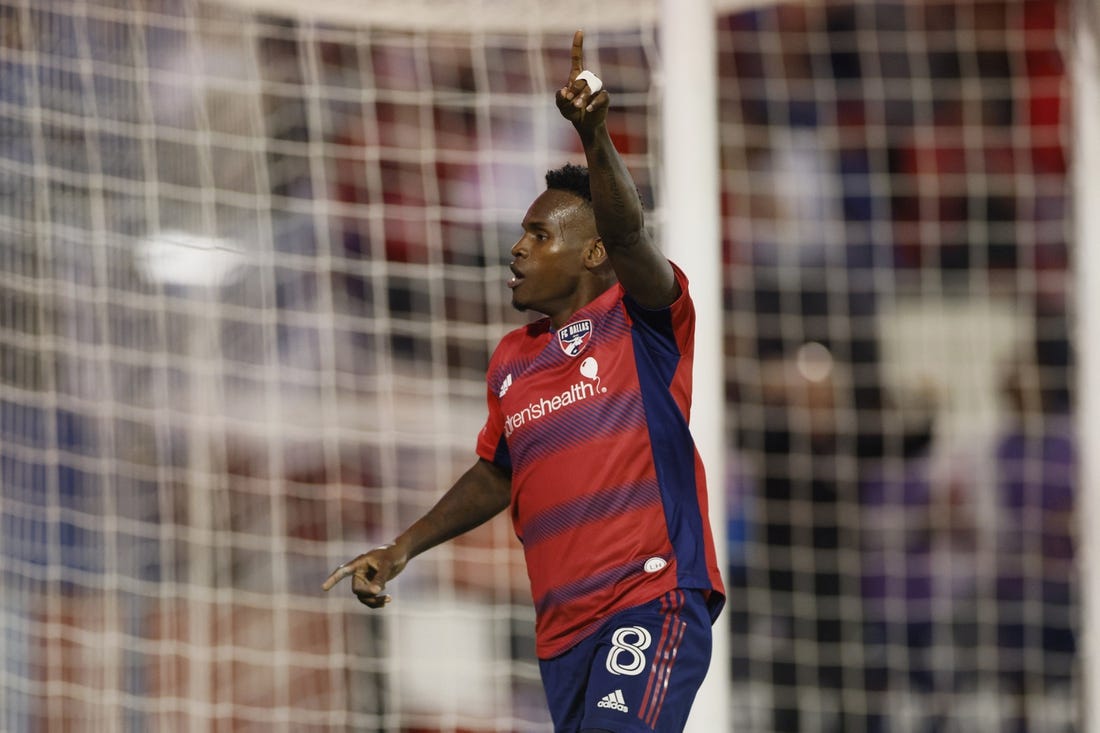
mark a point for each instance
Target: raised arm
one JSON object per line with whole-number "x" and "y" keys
{"x": 480, "y": 494}
{"x": 640, "y": 266}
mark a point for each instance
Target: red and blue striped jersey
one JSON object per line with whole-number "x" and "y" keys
{"x": 609, "y": 496}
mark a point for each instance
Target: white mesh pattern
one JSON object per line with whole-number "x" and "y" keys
{"x": 896, "y": 190}
{"x": 253, "y": 268}
{"x": 252, "y": 256}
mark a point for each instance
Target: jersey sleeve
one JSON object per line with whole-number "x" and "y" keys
{"x": 491, "y": 444}
{"x": 669, "y": 330}
{"x": 682, "y": 312}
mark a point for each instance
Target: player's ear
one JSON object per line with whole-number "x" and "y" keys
{"x": 595, "y": 255}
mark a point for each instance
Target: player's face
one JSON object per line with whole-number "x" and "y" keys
{"x": 548, "y": 260}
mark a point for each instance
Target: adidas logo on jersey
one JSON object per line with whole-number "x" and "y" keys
{"x": 614, "y": 701}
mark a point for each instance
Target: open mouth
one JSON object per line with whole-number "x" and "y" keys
{"x": 516, "y": 279}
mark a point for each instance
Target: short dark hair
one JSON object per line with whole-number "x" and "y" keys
{"x": 572, "y": 179}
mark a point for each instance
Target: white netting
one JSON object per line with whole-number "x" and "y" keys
{"x": 897, "y": 210}
{"x": 251, "y": 268}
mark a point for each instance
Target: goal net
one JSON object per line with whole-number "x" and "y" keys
{"x": 897, "y": 229}
{"x": 252, "y": 256}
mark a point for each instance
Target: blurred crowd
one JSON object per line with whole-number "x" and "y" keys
{"x": 899, "y": 365}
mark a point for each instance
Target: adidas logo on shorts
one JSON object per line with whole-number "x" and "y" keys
{"x": 614, "y": 701}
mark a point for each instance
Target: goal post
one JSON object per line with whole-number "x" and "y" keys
{"x": 1087, "y": 220}
{"x": 690, "y": 232}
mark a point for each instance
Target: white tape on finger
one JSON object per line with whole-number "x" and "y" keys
{"x": 593, "y": 81}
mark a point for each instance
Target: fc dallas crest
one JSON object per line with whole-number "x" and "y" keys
{"x": 574, "y": 337}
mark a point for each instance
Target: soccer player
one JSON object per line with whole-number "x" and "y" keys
{"x": 587, "y": 443}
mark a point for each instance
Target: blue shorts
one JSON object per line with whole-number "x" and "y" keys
{"x": 638, "y": 672}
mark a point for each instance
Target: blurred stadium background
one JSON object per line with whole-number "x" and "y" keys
{"x": 252, "y": 256}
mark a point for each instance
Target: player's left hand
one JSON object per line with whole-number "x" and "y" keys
{"x": 576, "y": 101}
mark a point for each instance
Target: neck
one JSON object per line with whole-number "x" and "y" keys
{"x": 585, "y": 295}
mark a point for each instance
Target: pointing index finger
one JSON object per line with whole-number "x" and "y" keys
{"x": 337, "y": 575}
{"x": 576, "y": 56}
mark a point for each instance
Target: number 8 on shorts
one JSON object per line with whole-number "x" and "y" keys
{"x": 627, "y": 646}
